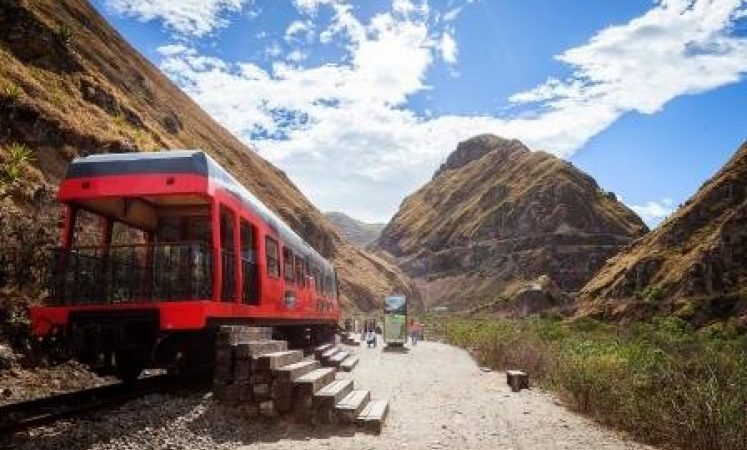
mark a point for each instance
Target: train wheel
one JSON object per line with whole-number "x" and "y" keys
{"x": 128, "y": 366}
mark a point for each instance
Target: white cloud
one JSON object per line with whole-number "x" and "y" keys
{"x": 448, "y": 47}
{"x": 173, "y": 50}
{"x": 296, "y": 56}
{"x": 343, "y": 132}
{"x": 299, "y": 29}
{"x": 187, "y": 17}
{"x": 653, "y": 212}
{"x": 452, "y": 14}
{"x": 273, "y": 51}
{"x": 310, "y": 7}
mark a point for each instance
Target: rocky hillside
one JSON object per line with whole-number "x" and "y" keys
{"x": 693, "y": 265}
{"x": 496, "y": 215}
{"x": 355, "y": 231}
{"x": 71, "y": 85}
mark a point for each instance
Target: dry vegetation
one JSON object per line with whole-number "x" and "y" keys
{"x": 662, "y": 381}
{"x": 693, "y": 265}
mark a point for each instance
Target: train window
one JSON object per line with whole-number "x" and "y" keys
{"x": 226, "y": 229}
{"x": 288, "y": 265}
{"x": 318, "y": 280}
{"x": 169, "y": 229}
{"x": 299, "y": 271}
{"x": 328, "y": 285}
{"x": 273, "y": 257}
{"x": 123, "y": 234}
{"x": 247, "y": 241}
{"x": 198, "y": 229}
{"x": 248, "y": 265}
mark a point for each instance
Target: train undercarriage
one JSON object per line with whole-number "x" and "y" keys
{"x": 124, "y": 343}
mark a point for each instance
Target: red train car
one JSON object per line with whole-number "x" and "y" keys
{"x": 179, "y": 249}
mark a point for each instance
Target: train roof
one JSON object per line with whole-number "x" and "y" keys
{"x": 196, "y": 162}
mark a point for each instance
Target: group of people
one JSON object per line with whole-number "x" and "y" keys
{"x": 371, "y": 330}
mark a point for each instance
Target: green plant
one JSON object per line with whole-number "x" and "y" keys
{"x": 64, "y": 34}
{"x": 18, "y": 156}
{"x": 141, "y": 138}
{"x": 11, "y": 90}
{"x": 651, "y": 294}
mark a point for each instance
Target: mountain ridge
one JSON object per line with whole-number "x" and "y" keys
{"x": 694, "y": 265}
{"x": 496, "y": 214}
{"x": 357, "y": 232}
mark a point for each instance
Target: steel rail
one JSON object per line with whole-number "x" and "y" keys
{"x": 18, "y": 416}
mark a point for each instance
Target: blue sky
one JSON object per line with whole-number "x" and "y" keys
{"x": 360, "y": 101}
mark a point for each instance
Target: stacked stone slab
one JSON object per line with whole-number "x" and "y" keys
{"x": 332, "y": 356}
{"x": 264, "y": 377}
{"x": 244, "y": 359}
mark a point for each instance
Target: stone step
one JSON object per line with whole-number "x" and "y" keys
{"x": 329, "y": 353}
{"x": 278, "y": 359}
{"x": 311, "y": 382}
{"x": 351, "y": 405}
{"x": 373, "y": 415}
{"x": 336, "y": 359}
{"x": 321, "y": 349}
{"x": 331, "y": 394}
{"x": 292, "y": 372}
{"x": 349, "y": 363}
{"x": 257, "y": 348}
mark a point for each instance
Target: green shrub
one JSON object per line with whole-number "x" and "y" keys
{"x": 662, "y": 380}
{"x": 652, "y": 294}
{"x": 18, "y": 156}
{"x": 64, "y": 34}
{"x": 11, "y": 90}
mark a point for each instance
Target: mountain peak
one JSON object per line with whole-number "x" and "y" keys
{"x": 478, "y": 146}
{"x": 497, "y": 214}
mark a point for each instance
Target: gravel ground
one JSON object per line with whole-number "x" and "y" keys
{"x": 439, "y": 399}
{"x": 19, "y": 384}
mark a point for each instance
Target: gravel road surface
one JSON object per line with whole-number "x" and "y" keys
{"x": 439, "y": 399}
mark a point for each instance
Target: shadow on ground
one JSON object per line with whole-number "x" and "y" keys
{"x": 389, "y": 349}
{"x": 170, "y": 422}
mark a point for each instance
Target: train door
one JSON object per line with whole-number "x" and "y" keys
{"x": 250, "y": 278}
{"x": 228, "y": 254}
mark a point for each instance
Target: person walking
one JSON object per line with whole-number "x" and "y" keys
{"x": 413, "y": 332}
{"x": 419, "y": 330}
{"x": 371, "y": 338}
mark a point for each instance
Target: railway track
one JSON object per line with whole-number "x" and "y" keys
{"x": 16, "y": 417}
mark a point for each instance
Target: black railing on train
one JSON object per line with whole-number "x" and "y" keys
{"x": 130, "y": 273}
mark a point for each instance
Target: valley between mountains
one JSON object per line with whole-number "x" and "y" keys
{"x": 510, "y": 256}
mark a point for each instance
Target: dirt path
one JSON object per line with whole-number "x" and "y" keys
{"x": 440, "y": 399}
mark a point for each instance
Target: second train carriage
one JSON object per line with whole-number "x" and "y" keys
{"x": 180, "y": 248}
